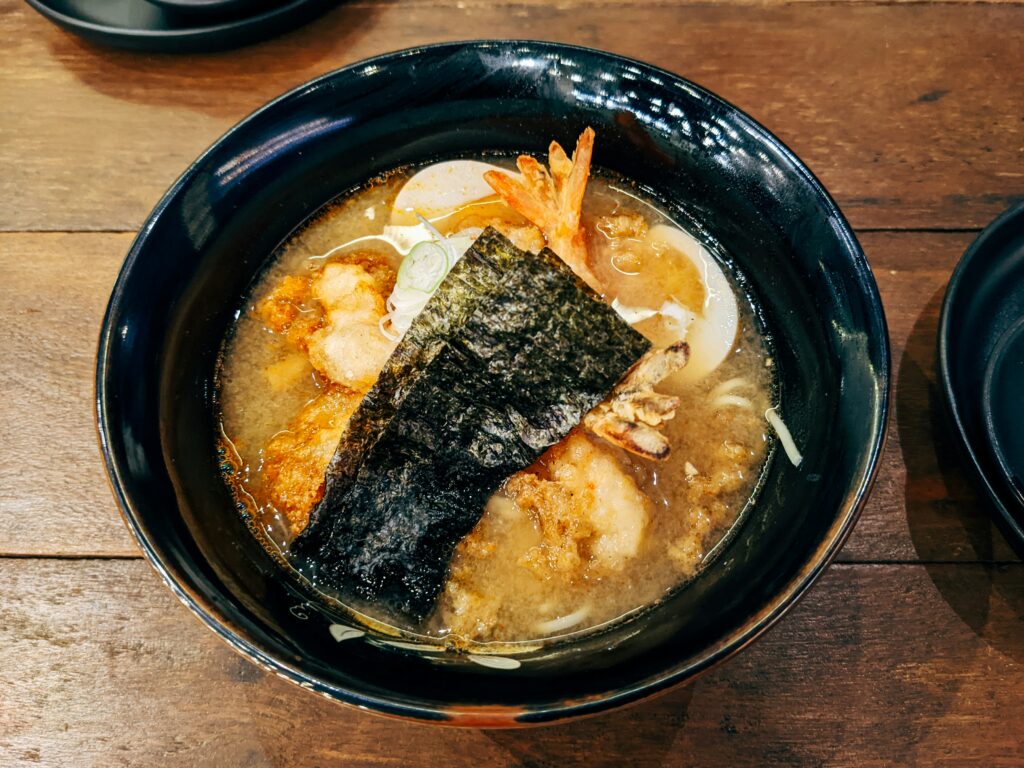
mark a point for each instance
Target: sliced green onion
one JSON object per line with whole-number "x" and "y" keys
{"x": 424, "y": 268}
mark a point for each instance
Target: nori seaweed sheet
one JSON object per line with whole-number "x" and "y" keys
{"x": 505, "y": 359}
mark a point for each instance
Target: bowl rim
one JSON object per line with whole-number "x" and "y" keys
{"x": 502, "y": 716}
{"x": 195, "y": 33}
{"x": 969, "y": 448}
{"x": 1012, "y": 334}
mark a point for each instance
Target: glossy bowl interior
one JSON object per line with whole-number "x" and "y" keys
{"x": 733, "y": 183}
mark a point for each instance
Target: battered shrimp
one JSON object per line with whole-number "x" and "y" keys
{"x": 590, "y": 512}
{"x": 575, "y": 514}
{"x": 554, "y": 200}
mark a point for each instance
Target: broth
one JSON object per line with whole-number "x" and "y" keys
{"x": 589, "y": 533}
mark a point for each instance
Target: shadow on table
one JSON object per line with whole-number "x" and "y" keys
{"x": 199, "y": 81}
{"x": 645, "y": 732}
{"x": 947, "y": 517}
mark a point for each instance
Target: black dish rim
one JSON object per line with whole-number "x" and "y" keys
{"x": 845, "y": 520}
{"x": 1011, "y": 527}
{"x": 204, "y": 36}
{"x": 205, "y": 6}
{"x": 1010, "y": 335}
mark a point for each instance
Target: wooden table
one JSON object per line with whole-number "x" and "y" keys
{"x": 910, "y": 649}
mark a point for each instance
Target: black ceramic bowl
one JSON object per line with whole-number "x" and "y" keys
{"x": 712, "y": 166}
{"x": 978, "y": 339}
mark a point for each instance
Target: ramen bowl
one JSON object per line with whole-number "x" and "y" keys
{"x": 738, "y": 189}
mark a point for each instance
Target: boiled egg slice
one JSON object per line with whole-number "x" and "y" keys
{"x": 440, "y": 189}
{"x": 712, "y": 331}
{"x": 436, "y": 193}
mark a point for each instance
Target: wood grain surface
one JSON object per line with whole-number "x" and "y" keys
{"x": 909, "y": 651}
{"x": 911, "y": 114}
{"x": 882, "y": 665}
{"x": 922, "y": 507}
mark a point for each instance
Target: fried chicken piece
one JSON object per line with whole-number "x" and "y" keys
{"x": 295, "y": 460}
{"x": 349, "y": 348}
{"x": 283, "y": 374}
{"x": 628, "y": 417}
{"x": 564, "y": 533}
{"x": 736, "y": 461}
{"x": 553, "y": 200}
{"x": 286, "y": 310}
{"x": 574, "y": 514}
{"x": 467, "y": 613}
{"x": 467, "y": 609}
{"x": 688, "y": 550}
{"x": 292, "y": 308}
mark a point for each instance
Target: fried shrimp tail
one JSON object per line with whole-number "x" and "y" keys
{"x": 552, "y": 199}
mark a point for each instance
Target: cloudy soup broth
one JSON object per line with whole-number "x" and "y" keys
{"x": 595, "y": 528}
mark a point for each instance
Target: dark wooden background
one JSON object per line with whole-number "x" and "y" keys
{"x": 910, "y": 649}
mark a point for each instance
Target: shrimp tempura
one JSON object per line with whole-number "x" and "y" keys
{"x": 554, "y": 200}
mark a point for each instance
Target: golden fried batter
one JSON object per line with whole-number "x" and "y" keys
{"x": 377, "y": 266}
{"x": 526, "y": 237}
{"x": 287, "y": 311}
{"x": 590, "y": 513}
{"x": 574, "y": 515}
{"x": 293, "y": 309}
{"x": 564, "y": 532}
{"x": 295, "y": 460}
{"x": 629, "y": 225}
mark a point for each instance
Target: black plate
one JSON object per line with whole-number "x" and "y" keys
{"x": 745, "y": 194}
{"x": 983, "y": 302}
{"x": 143, "y": 26}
